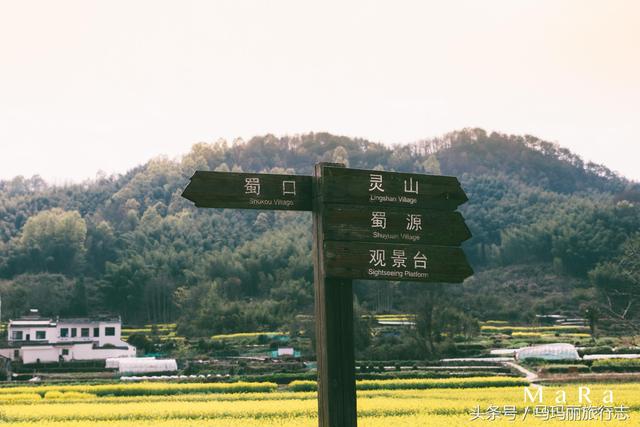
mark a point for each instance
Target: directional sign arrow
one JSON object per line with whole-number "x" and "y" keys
{"x": 249, "y": 191}
{"x": 393, "y": 224}
{"x": 349, "y": 207}
{"x": 378, "y": 188}
{"x": 415, "y": 263}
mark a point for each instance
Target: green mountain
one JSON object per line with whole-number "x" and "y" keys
{"x": 541, "y": 219}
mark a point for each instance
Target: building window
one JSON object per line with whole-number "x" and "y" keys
{"x": 64, "y": 332}
{"x": 96, "y": 332}
{"x": 110, "y": 331}
{"x": 16, "y": 354}
{"x": 65, "y": 351}
{"x": 16, "y": 335}
{"x": 74, "y": 332}
{"x": 41, "y": 335}
{"x": 84, "y": 332}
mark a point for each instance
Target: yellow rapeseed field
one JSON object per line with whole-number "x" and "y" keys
{"x": 247, "y": 335}
{"x": 145, "y": 388}
{"x": 376, "y": 408}
{"x": 555, "y": 328}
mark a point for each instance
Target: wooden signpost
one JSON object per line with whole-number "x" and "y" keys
{"x": 394, "y": 225}
{"x": 249, "y": 191}
{"x": 367, "y": 224}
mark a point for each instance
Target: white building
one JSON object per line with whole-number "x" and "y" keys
{"x": 33, "y": 339}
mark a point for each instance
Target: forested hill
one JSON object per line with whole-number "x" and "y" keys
{"x": 541, "y": 218}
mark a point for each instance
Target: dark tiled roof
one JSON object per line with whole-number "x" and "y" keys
{"x": 88, "y": 319}
{"x": 33, "y": 325}
{"x": 92, "y": 319}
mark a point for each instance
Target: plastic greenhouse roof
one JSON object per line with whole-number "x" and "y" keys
{"x": 549, "y": 352}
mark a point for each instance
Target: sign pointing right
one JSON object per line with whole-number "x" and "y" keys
{"x": 378, "y": 188}
{"x": 415, "y": 263}
{"x": 367, "y": 224}
{"x": 392, "y": 224}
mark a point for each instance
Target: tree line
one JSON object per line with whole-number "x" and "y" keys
{"x": 129, "y": 244}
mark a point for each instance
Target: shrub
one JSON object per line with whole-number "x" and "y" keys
{"x": 252, "y": 335}
{"x": 507, "y": 329}
{"x": 280, "y": 378}
{"x": 564, "y": 369}
{"x": 303, "y": 386}
{"x": 472, "y": 382}
{"x": 69, "y": 395}
{"x": 147, "y": 388}
{"x": 10, "y": 397}
{"x": 616, "y": 365}
{"x": 408, "y": 384}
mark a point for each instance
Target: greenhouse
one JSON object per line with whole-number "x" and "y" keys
{"x": 548, "y": 352}
{"x": 135, "y": 365}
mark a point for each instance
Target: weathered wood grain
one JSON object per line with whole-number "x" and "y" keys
{"x": 233, "y": 190}
{"x": 377, "y": 188}
{"x": 394, "y": 225}
{"x": 355, "y": 260}
{"x": 343, "y": 202}
{"x": 334, "y": 331}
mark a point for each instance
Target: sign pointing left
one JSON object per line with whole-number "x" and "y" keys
{"x": 367, "y": 224}
{"x": 249, "y": 191}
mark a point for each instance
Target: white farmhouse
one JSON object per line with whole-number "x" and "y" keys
{"x": 33, "y": 339}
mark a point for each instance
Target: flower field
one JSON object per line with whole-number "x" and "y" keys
{"x": 530, "y": 329}
{"x": 376, "y": 408}
{"x": 247, "y": 335}
{"x": 164, "y": 332}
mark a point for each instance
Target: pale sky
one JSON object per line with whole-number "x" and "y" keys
{"x": 88, "y": 85}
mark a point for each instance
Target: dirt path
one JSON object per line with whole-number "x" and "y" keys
{"x": 529, "y": 375}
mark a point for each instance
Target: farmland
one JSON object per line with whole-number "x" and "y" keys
{"x": 492, "y": 334}
{"x": 205, "y": 405}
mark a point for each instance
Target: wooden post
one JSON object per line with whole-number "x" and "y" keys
{"x": 344, "y": 203}
{"x": 334, "y": 328}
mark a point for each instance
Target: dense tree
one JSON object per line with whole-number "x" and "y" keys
{"x": 52, "y": 294}
{"x": 438, "y": 321}
{"x": 541, "y": 219}
{"x": 51, "y": 241}
{"x": 619, "y": 282}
